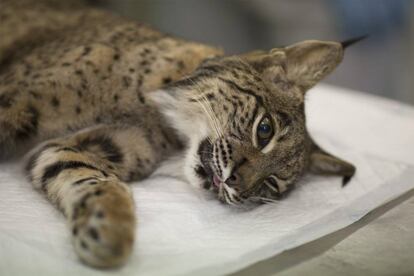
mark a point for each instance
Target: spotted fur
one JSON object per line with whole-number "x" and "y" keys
{"x": 108, "y": 99}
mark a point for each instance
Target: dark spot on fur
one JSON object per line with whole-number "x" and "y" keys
{"x": 84, "y": 85}
{"x": 210, "y": 96}
{"x": 116, "y": 98}
{"x": 147, "y": 71}
{"x": 55, "y": 102}
{"x": 35, "y": 94}
{"x": 100, "y": 214}
{"x": 6, "y": 100}
{"x": 79, "y": 72}
{"x": 89, "y": 63}
{"x": 221, "y": 146}
{"x": 84, "y": 245}
{"x": 93, "y": 233}
{"x": 66, "y": 64}
{"x": 78, "y": 110}
{"x": 168, "y": 59}
{"x": 75, "y": 231}
{"x": 98, "y": 192}
{"x": 86, "y": 50}
{"x": 116, "y": 56}
{"x": 166, "y": 80}
{"x": 141, "y": 98}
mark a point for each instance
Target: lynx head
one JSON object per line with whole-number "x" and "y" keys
{"x": 244, "y": 120}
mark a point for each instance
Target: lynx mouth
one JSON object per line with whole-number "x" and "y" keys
{"x": 213, "y": 182}
{"x": 205, "y": 171}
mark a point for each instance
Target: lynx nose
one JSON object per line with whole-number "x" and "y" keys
{"x": 236, "y": 178}
{"x": 233, "y": 180}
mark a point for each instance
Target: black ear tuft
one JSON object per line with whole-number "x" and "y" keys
{"x": 324, "y": 163}
{"x": 351, "y": 41}
{"x": 345, "y": 180}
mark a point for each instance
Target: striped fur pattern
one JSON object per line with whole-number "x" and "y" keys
{"x": 101, "y": 101}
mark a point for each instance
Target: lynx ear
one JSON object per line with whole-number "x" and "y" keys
{"x": 304, "y": 63}
{"x": 310, "y": 61}
{"x": 322, "y": 162}
{"x": 264, "y": 60}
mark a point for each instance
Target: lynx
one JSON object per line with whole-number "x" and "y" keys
{"x": 98, "y": 101}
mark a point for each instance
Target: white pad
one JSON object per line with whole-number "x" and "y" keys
{"x": 184, "y": 231}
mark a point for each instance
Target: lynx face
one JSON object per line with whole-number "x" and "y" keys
{"x": 245, "y": 122}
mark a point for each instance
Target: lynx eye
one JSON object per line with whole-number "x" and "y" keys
{"x": 264, "y": 131}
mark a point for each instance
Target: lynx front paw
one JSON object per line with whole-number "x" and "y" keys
{"x": 103, "y": 224}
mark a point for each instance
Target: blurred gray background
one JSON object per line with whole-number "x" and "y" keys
{"x": 383, "y": 64}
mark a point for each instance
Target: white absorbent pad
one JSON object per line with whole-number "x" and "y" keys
{"x": 185, "y": 231}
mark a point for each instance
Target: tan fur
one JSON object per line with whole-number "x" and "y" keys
{"x": 115, "y": 98}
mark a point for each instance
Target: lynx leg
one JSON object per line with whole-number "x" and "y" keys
{"x": 83, "y": 176}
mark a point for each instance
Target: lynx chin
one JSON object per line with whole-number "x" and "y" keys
{"x": 96, "y": 101}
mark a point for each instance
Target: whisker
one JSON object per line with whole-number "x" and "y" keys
{"x": 202, "y": 102}
{"x": 213, "y": 117}
{"x": 264, "y": 199}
